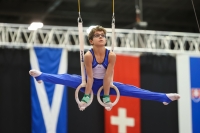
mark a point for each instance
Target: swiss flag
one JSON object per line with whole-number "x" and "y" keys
{"x": 125, "y": 116}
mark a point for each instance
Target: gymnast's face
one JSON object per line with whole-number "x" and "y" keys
{"x": 99, "y": 39}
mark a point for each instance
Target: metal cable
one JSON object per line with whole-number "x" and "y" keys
{"x": 195, "y": 15}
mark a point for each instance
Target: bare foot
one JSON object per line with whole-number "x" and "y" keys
{"x": 35, "y": 73}
{"x": 172, "y": 96}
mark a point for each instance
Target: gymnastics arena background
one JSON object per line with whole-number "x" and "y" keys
{"x": 28, "y": 107}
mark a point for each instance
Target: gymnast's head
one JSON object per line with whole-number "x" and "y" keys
{"x": 97, "y": 36}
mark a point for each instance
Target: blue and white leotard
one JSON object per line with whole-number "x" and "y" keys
{"x": 99, "y": 69}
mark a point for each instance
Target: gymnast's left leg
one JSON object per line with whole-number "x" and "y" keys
{"x": 132, "y": 91}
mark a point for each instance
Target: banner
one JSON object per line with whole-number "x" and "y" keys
{"x": 188, "y": 73}
{"x": 158, "y": 74}
{"x": 49, "y": 103}
{"x": 125, "y": 116}
{"x": 15, "y": 109}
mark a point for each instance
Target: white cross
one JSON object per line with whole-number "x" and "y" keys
{"x": 122, "y": 121}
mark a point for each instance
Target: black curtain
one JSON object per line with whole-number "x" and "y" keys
{"x": 158, "y": 73}
{"x": 90, "y": 120}
{"x": 15, "y": 108}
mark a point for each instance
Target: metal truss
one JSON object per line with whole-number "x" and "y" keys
{"x": 16, "y": 35}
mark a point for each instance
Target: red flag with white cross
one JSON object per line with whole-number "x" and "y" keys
{"x": 125, "y": 116}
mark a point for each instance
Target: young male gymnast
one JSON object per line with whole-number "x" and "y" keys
{"x": 99, "y": 64}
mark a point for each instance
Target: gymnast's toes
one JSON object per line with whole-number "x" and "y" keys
{"x": 34, "y": 73}
{"x": 173, "y": 96}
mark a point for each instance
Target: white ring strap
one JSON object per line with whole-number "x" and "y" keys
{"x": 83, "y": 84}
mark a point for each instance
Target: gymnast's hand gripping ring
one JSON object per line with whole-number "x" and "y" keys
{"x": 112, "y": 104}
{"x": 77, "y": 98}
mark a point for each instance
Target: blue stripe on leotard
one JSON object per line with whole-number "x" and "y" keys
{"x": 105, "y": 61}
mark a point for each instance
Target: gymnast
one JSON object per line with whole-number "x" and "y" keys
{"x": 99, "y": 65}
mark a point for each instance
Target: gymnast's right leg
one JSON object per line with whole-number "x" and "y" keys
{"x": 72, "y": 81}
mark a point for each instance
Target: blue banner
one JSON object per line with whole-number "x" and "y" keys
{"x": 195, "y": 93}
{"x": 49, "y": 102}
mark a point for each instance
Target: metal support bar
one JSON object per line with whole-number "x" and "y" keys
{"x": 126, "y": 40}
